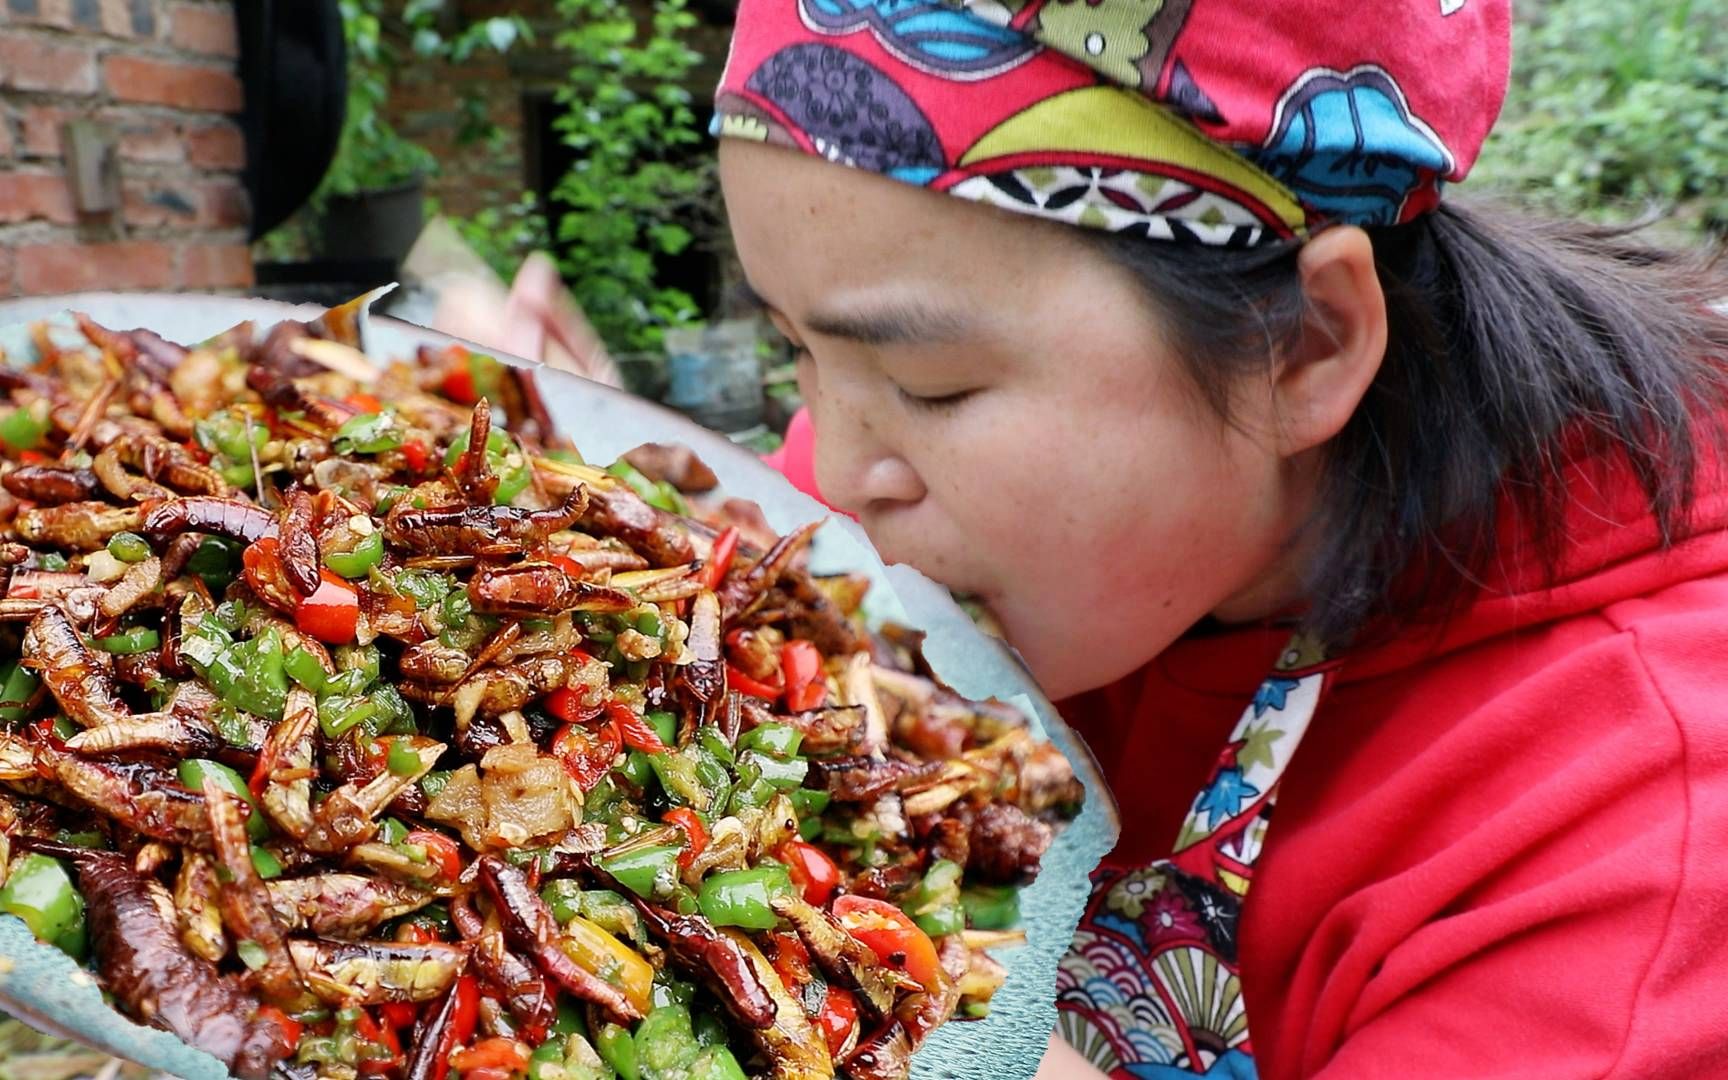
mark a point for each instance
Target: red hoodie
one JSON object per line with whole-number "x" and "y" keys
{"x": 1499, "y": 850}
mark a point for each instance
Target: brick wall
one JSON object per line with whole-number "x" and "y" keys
{"x": 158, "y": 74}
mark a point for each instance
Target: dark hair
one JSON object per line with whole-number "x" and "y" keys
{"x": 1507, "y": 336}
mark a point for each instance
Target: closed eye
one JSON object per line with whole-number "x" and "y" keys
{"x": 941, "y": 403}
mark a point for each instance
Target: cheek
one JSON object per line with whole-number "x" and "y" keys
{"x": 1104, "y": 526}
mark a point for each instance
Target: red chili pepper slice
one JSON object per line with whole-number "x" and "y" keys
{"x": 462, "y": 1023}
{"x": 566, "y": 705}
{"x": 634, "y": 730}
{"x": 744, "y": 684}
{"x": 801, "y": 664}
{"x": 811, "y": 870}
{"x": 440, "y": 847}
{"x": 838, "y": 1016}
{"x": 366, "y": 403}
{"x": 720, "y": 560}
{"x": 291, "y": 1028}
{"x": 695, "y": 835}
{"x": 498, "y": 1052}
{"x": 332, "y": 613}
{"x": 891, "y": 935}
{"x": 587, "y": 754}
{"x": 398, "y": 1014}
{"x": 414, "y": 452}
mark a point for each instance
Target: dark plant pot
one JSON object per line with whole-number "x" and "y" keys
{"x": 373, "y": 224}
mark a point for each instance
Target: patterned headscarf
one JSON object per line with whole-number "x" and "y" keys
{"x": 1226, "y": 122}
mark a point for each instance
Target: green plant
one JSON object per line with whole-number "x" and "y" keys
{"x": 1616, "y": 105}
{"x": 372, "y": 154}
{"x": 626, "y": 114}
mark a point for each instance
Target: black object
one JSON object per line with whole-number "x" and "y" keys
{"x": 294, "y": 66}
{"x": 373, "y": 224}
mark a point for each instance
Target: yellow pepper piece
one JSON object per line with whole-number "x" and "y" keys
{"x": 604, "y": 955}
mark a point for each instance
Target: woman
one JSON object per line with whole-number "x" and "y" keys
{"x": 1230, "y": 389}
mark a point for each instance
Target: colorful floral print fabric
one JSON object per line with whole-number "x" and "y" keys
{"x": 1207, "y": 121}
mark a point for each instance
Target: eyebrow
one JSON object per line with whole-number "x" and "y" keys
{"x": 893, "y": 323}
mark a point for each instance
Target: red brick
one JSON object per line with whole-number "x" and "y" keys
{"x": 168, "y": 82}
{"x": 215, "y": 266}
{"x": 7, "y": 142}
{"x": 33, "y": 63}
{"x": 42, "y": 124}
{"x": 61, "y": 268}
{"x": 127, "y": 18}
{"x": 7, "y": 288}
{"x": 149, "y": 204}
{"x": 223, "y": 204}
{"x": 204, "y": 28}
{"x": 35, "y": 197}
{"x": 216, "y": 146}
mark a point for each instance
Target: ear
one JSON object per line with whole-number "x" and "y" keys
{"x": 1318, "y": 383}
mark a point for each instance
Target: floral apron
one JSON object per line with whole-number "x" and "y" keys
{"x": 1150, "y": 988}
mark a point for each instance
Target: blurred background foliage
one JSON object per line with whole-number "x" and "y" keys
{"x": 1618, "y": 109}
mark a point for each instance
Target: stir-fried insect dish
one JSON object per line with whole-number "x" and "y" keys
{"x": 353, "y": 726}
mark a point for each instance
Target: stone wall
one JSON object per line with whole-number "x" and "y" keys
{"x": 158, "y": 77}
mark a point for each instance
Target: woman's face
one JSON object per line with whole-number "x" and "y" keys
{"x": 994, "y": 400}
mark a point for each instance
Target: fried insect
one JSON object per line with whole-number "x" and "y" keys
{"x": 344, "y": 973}
{"x": 529, "y": 925}
{"x": 231, "y": 518}
{"x": 539, "y": 590}
{"x": 342, "y": 905}
{"x": 51, "y": 485}
{"x": 77, "y": 526}
{"x": 147, "y": 967}
{"x": 53, "y": 646}
{"x": 479, "y": 530}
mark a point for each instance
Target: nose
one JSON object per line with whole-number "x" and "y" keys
{"x": 856, "y": 468}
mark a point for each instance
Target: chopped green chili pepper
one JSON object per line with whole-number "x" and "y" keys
{"x": 392, "y": 832}
{"x": 402, "y": 760}
{"x": 267, "y": 865}
{"x": 225, "y": 433}
{"x": 388, "y": 499}
{"x": 637, "y": 768}
{"x": 64, "y": 728}
{"x": 214, "y": 562}
{"x": 709, "y": 1030}
{"x": 618, "y": 1050}
{"x": 395, "y": 715}
{"x": 715, "y": 1063}
{"x": 304, "y": 669}
{"x": 709, "y": 738}
{"x": 648, "y": 623}
{"x": 506, "y": 460}
{"x": 569, "y": 1021}
{"x": 935, "y": 904}
{"x": 17, "y": 686}
{"x": 991, "y": 907}
{"x": 128, "y": 547}
{"x": 350, "y": 683}
{"x": 680, "y": 778}
{"x": 647, "y": 871}
{"x": 433, "y": 782}
{"x": 548, "y": 1053}
{"x": 192, "y": 773}
{"x": 52, "y": 561}
{"x": 665, "y": 725}
{"x": 779, "y": 740}
{"x": 248, "y": 675}
{"x": 252, "y": 954}
{"x": 665, "y": 1043}
{"x": 337, "y": 716}
{"x": 456, "y": 609}
{"x": 784, "y": 775}
{"x": 137, "y": 639}
{"x": 564, "y": 897}
{"x": 25, "y": 428}
{"x": 809, "y": 802}
{"x": 368, "y": 433}
{"x": 239, "y": 474}
{"x": 611, "y": 912}
{"x": 742, "y": 897}
{"x": 89, "y": 839}
{"x": 40, "y": 892}
{"x": 365, "y": 659}
{"x": 358, "y": 560}
{"x": 425, "y": 587}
